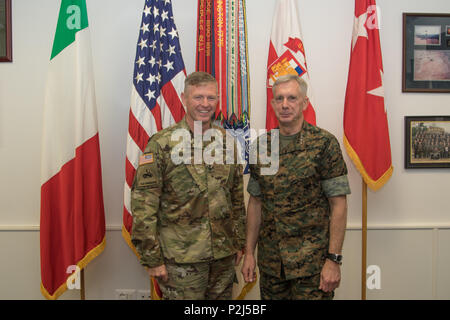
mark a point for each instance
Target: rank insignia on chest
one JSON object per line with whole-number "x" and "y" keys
{"x": 146, "y": 158}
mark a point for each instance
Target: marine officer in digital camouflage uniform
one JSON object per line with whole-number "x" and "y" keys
{"x": 189, "y": 219}
{"x": 301, "y": 209}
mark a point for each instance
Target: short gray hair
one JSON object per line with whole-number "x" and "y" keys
{"x": 291, "y": 77}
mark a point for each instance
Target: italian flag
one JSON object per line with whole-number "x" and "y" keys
{"x": 72, "y": 227}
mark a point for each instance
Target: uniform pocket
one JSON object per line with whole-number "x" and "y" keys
{"x": 182, "y": 183}
{"x": 222, "y": 173}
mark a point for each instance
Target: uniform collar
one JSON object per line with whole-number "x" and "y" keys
{"x": 183, "y": 124}
{"x": 299, "y": 142}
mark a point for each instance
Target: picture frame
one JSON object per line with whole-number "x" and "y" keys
{"x": 426, "y": 52}
{"x": 5, "y": 31}
{"x": 427, "y": 142}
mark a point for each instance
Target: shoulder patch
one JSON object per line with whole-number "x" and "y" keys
{"x": 146, "y": 158}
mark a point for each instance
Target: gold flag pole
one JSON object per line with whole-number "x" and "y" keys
{"x": 82, "y": 291}
{"x": 152, "y": 290}
{"x": 364, "y": 240}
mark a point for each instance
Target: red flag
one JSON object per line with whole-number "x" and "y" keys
{"x": 72, "y": 229}
{"x": 366, "y": 132}
{"x": 286, "y": 56}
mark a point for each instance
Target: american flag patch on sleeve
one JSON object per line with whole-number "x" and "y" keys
{"x": 146, "y": 158}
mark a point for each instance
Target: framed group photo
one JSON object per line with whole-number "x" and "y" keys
{"x": 426, "y": 52}
{"x": 427, "y": 142}
{"x": 5, "y": 31}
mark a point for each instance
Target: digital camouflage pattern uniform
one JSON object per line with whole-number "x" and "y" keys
{"x": 294, "y": 232}
{"x": 186, "y": 214}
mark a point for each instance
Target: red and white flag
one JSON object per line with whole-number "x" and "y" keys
{"x": 72, "y": 228}
{"x": 158, "y": 81}
{"x": 366, "y": 132}
{"x": 286, "y": 56}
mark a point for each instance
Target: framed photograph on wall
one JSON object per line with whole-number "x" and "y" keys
{"x": 426, "y": 52}
{"x": 427, "y": 142}
{"x": 5, "y": 31}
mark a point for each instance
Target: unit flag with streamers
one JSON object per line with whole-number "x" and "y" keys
{"x": 222, "y": 51}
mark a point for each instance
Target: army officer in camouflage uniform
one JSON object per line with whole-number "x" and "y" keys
{"x": 301, "y": 210}
{"x": 188, "y": 219}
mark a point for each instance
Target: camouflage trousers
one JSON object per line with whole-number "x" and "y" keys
{"x": 199, "y": 281}
{"x": 304, "y": 288}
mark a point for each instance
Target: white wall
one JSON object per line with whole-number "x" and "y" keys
{"x": 409, "y": 218}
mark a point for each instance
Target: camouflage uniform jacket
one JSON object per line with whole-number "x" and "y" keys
{"x": 294, "y": 229}
{"x": 187, "y": 213}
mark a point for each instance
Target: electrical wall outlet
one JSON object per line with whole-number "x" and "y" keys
{"x": 143, "y": 294}
{"x": 125, "y": 294}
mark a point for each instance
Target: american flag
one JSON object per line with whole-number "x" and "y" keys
{"x": 158, "y": 81}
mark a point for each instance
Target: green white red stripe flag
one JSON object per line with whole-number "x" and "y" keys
{"x": 366, "y": 131}
{"x": 72, "y": 228}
